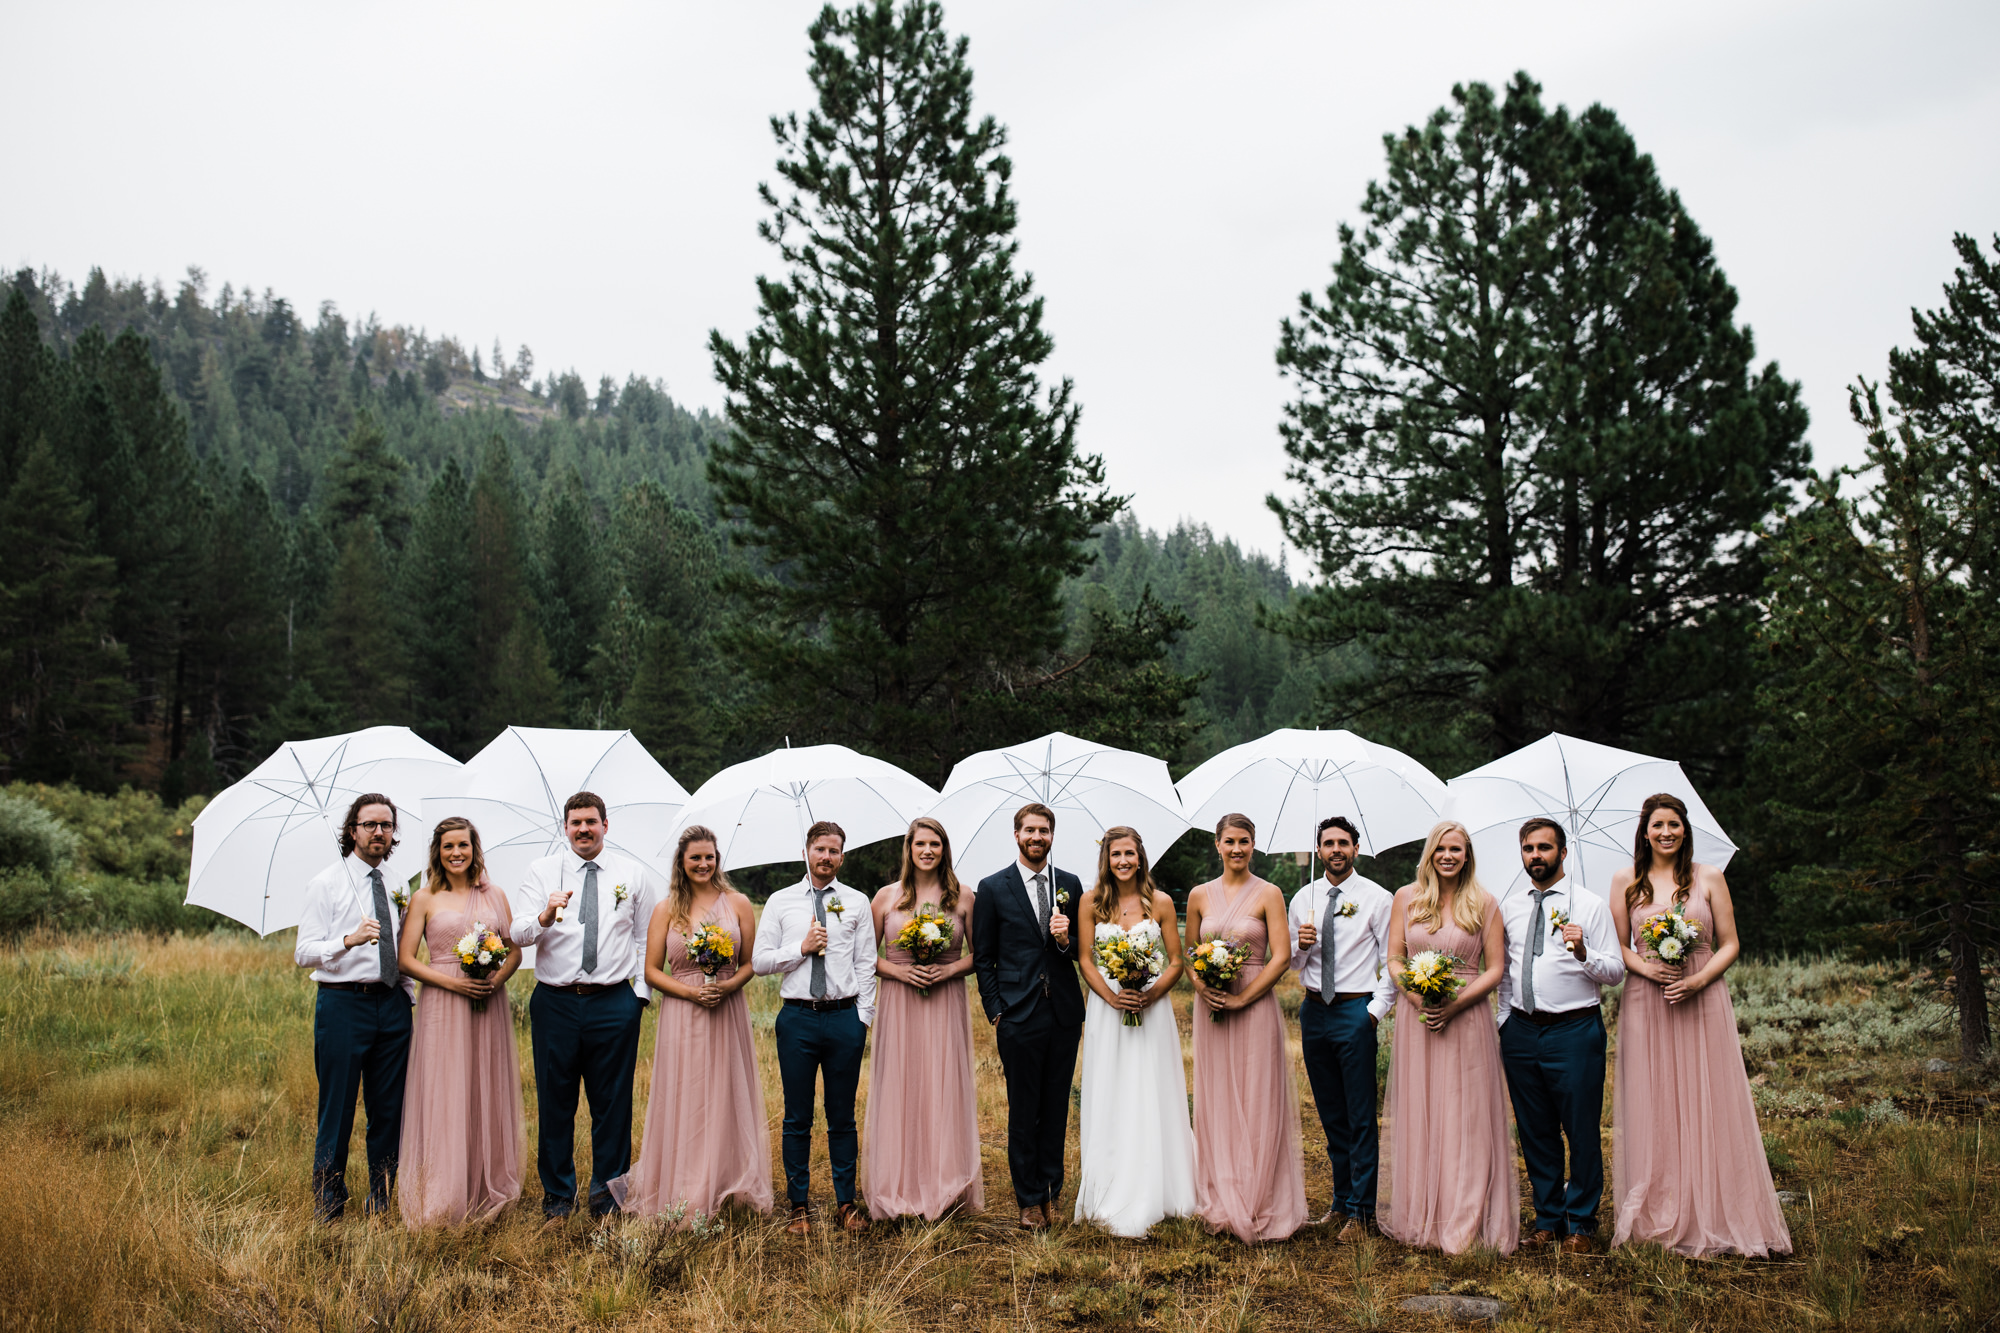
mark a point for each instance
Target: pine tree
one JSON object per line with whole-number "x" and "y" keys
{"x": 498, "y": 602}
{"x": 525, "y": 691}
{"x": 28, "y": 375}
{"x": 446, "y": 677}
{"x": 891, "y": 450}
{"x": 570, "y": 579}
{"x": 361, "y": 651}
{"x": 666, "y": 710}
{"x": 366, "y": 481}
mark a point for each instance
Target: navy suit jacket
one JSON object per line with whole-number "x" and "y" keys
{"x": 1012, "y": 954}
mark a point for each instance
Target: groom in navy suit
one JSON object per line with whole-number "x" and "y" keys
{"x": 1025, "y": 955}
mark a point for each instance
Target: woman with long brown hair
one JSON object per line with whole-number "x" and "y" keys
{"x": 706, "y": 1142}
{"x": 1687, "y": 1157}
{"x": 920, "y": 1142}
{"x": 1447, "y": 1159}
{"x": 462, "y": 1117}
{"x": 1137, "y": 1151}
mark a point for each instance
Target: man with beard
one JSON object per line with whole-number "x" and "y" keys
{"x": 1561, "y": 947}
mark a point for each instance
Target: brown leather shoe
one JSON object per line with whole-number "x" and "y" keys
{"x": 1353, "y": 1231}
{"x": 1033, "y": 1218}
{"x": 1579, "y": 1242}
{"x": 850, "y": 1218}
{"x": 1048, "y": 1215}
{"x": 1538, "y": 1241}
{"x": 801, "y": 1223}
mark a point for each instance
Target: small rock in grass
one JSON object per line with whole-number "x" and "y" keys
{"x": 1465, "y": 1309}
{"x": 1938, "y": 1066}
{"x": 1786, "y": 1198}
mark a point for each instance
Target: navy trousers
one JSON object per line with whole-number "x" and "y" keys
{"x": 1555, "y": 1076}
{"x": 1038, "y": 1052}
{"x": 1338, "y": 1041}
{"x": 361, "y": 1043}
{"x": 592, "y": 1040}
{"x": 813, "y": 1046}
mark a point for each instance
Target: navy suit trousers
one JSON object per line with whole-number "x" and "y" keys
{"x": 1338, "y": 1042}
{"x": 361, "y": 1043}
{"x": 592, "y": 1040}
{"x": 811, "y": 1045}
{"x": 1555, "y": 1076}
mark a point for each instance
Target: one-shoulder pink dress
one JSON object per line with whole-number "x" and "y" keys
{"x": 920, "y": 1142}
{"x": 1448, "y": 1180}
{"x": 1249, "y": 1173}
{"x": 1688, "y": 1166}
{"x": 463, "y": 1126}
{"x": 707, "y": 1143}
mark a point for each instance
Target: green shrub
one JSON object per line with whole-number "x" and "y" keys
{"x": 29, "y": 898}
{"x": 127, "y": 833}
{"x": 33, "y": 839}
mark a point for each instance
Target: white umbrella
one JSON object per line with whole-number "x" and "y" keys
{"x": 258, "y": 842}
{"x": 517, "y": 785}
{"x": 760, "y": 809}
{"x": 1291, "y": 779}
{"x": 1090, "y": 787}
{"x": 1594, "y": 791}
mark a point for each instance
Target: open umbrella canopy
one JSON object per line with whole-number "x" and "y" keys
{"x": 516, "y": 787}
{"x": 1090, "y": 787}
{"x": 258, "y": 842}
{"x": 760, "y": 809}
{"x": 1291, "y": 779}
{"x": 1594, "y": 791}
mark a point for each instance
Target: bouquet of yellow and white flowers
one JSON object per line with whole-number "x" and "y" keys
{"x": 1133, "y": 958}
{"x": 925, "y": 938}
{"x": 480, "y": 952}
{"x": 709, "y": 948}
{"x": 1216, "y": 961}
{"x": 1430, "y": 978}
{"x": 1670, "y": 936}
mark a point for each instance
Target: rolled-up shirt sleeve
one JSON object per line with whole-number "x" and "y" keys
{"x": 771, "y": 956}
{"x": 318, "y": 942}
{"x": 642, "y": 924}
{"x": 527, "y": 927}
{"x": 864, "y": 963}
{"x": 1604, "y": 962}
{"x": 1384, "y": 998}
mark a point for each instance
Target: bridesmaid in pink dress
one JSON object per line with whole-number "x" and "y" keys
{"x": 920, "y": 1142}
{"x": 1688, "y": 1162}
{"x": 707, "y": 1143}
{"x": 462, "y": 1118}
{"x": 1249, "y": 1173}
{"x": 1448, "y": 1179}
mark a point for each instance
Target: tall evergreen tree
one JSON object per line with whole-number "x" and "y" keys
{"x": 666, "y": 710}
{"x": 445, "y": 675}
{"x": 1532, "y": 446}
{"x": 569, "y": 570}
{"x": 366, "y": 480}
{"x": 497, "y": 599}
{"x": 916, "y": 495}
{"x": 362, "y": 666}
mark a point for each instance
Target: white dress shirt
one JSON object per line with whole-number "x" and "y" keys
{"x": 622, "y": 920}
{"x": 338, "y": 899}
{"x": 1561, "y": 982}
{"x": 850, "y": 945}
{"x": 1360, "y": 942}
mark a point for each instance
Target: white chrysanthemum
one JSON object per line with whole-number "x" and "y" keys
{"x": 485, "y": 956}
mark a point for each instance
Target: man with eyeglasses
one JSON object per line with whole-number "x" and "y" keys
{"x": 348, "y": 934}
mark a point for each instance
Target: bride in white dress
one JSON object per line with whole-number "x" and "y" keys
{"x": 1137, "y": 1150}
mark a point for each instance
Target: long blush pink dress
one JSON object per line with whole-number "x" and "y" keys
{"x": 462, "y": 1118}
{"x": 1249, "y": 1174}
{"x": 707, "y": 1143}
{"x": 1448, "y": 1179}
{"x": 1688, "y": 1166}
{"x": 920, "y": 1142}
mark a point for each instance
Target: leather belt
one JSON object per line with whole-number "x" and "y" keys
{"x": 1542, "y": 1018}
{"x": 583, "y": 987}
{"x": 375, "y": 988}
{"x": 820, "y": 1006}
{"x": 1315, "y": 997}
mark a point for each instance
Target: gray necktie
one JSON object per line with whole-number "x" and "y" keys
{"x": 587, "y": 914}
{"x": 817, "y": 987}
{"x": 1042, "y": 900}
{"x": 1326, "y": 948}
{"x": 385, "y": 943}
{"x": 1536, "y": 934}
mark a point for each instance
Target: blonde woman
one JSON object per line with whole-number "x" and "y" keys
{"x": 921, "y": 1138}
{"x": 1448, "y": 1167}
{"x": 1137, "y": 1151}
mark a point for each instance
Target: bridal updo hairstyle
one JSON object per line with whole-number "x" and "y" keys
{"x": 680, "y": 889}
{"x": 1104, "y": 897}
{"x": 439, "y": 881}
{"x": 1235, "y": 820}
{"x": 1468, "y": 904}
{"x": 948, "y": 886}
{"x": 1639, "y": 892}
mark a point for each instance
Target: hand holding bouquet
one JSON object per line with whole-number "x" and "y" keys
{"x": 925, "y": 938}
{"x": 709, "y": 948}
{"x": 1670, "y": 936}
{"x": 1557, "y": 920}
{"x": 1216, "y": 961}
{"x": 1429, "y": 977}
{"x": 1133, "y": 958}
{"x": 480, "y": 952}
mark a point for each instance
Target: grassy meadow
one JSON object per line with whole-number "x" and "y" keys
{"x": 156, "y": 1117}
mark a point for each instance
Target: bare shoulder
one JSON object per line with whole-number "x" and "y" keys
{"x": 886, "y": 895}
{"x": 1271, "y": 895}
{"x": 1621, "y": 880}
{"x": 1710, "y": 878}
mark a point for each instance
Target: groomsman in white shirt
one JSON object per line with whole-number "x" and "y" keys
{"x": 1340, "y": 947}
{"x": 585, "y": 911}
{"x": 348, "y": 934}
{"x": 819, "y": 935}
{"x": 1561, "y": 946}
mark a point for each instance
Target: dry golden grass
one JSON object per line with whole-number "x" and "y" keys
{"x": 156, "y": 1109}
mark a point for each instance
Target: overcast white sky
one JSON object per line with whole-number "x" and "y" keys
{"x": 581, "y": 177}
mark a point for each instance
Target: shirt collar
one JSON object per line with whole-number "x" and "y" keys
{"x": 1557, "y": 887}
{"x": 577, "y": 862}
{"x": 834, "y": 886}
{"x": 1028, "y": 876}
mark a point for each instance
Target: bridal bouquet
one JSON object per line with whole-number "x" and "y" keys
{"x": 1670, "y": 936}
{"x": 1133, "y": 958}
{"x": 709, "y": 948}
{"x": 480, "y": 952}
{"x": 1216, "y": 961}
{"x": 925, "y": 938}
{"x": 1430, "y": 978}
{"x": 1557, "y": 920}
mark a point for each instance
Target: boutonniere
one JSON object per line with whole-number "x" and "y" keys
{"x": 838, "y": 908}
{"x": 1062, "y": 897}
{"x": 1557, "y": 920}
{"x": 1345, "y": 909}
{"x": 619, "y": 893}
{"x": 400, "y": 896}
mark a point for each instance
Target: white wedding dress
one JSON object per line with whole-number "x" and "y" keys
{"x": 1137, "y": 1150}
